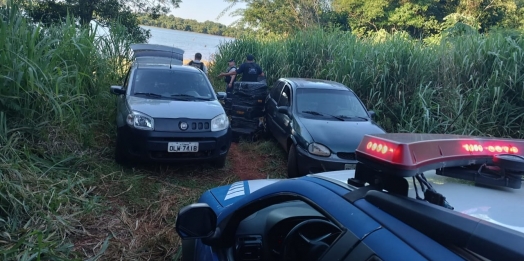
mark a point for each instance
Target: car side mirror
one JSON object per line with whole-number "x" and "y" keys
{"x": 117, "y": 89}
{"x": 283, "y": 109}
{"x": 221, "y": 95}
{"x": 196, "y": 221}
{"x": 372, "y": 114}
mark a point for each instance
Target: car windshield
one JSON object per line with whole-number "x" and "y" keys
{"x": 334, "y": 103}
{"x": 171, "y": 84}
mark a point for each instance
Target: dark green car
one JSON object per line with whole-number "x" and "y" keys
{"x": 319, "y": 123}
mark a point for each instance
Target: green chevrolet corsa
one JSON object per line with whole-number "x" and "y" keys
{"x": 169, "y": 112}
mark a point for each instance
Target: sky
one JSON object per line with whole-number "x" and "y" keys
{"x": 202, "y": 10}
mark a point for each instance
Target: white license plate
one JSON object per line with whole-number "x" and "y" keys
{"x": 350, "y": 166}
{"x": 182, "y": 147}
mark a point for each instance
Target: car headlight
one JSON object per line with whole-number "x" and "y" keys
{"x": 220, "y": 122}
{"x": 140, "y": 121}
{"x": 319, "y": 150}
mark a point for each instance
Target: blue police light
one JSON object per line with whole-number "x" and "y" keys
{"x": 409, "y": 154}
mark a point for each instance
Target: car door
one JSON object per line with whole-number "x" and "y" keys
{"x": 283, "y": 120}
{"x": 271, "y": 106}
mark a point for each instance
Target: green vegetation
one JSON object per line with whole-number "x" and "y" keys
{"x": 62, "y": 197}
{"x": 419, "y": 18}
{"x": 465, "y": 84}
{"x": 53, "y": 95}
{"x": 103, "y": 12}
{"x": 207, "y": 27}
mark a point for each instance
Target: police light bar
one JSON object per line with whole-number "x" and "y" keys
{"x": 409, "y": 154}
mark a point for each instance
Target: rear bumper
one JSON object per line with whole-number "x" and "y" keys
{"x": 152, "y": 145}
{"x": 310, "y": 164}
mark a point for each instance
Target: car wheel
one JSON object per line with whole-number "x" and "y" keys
{"x": 121, "y": 156}
{"x": 220, "y": 163}
{"x": 292, "y": 163}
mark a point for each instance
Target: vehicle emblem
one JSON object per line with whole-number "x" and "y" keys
{"x": 183, "y": 126}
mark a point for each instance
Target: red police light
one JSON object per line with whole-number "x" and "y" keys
{"x": 407, "y": 154}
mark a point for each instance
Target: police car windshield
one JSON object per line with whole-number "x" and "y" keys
{"x": 172, "y": 84}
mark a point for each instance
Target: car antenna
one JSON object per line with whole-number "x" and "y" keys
{"x": 458, "y": 115}
{"x": 171, "y": 61}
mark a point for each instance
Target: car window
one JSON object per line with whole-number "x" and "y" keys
{"x": 170, "y": 83}
{"x": 285, "y": 97}
{"x": 276, "y": 90}
{"x": 330, "y": 102}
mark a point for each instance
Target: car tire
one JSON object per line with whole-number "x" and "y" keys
{"x": 121, "y": 156}
{"x": 221, "y": 162}
{"x": 292, "y": 162}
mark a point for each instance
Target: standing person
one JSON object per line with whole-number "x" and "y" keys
{"x": 230, "y": 79}
{"x": 250, "y": 70}
{"x": 197, "y": 63}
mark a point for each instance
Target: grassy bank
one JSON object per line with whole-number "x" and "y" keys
{"x": 53, "y": 101}
{"x": 470, "y": 84}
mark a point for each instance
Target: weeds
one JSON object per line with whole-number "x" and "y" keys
{"x": 464, "y": 84}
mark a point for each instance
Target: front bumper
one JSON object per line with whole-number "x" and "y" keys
{"x": 310, "y": 164}
{"x": 152, "y": 145}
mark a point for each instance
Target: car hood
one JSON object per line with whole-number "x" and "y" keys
{"x": 229, "y": 194}
{"x": 339, "y": 136}
{"x": 158, "y": 108}
{"x": 501, "y": 206}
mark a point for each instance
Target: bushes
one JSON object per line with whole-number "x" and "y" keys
{"x": 54, "y": 93}
{"x": 465, "y": 84}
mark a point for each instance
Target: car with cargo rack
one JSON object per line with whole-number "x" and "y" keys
{"x": 169, "y": 112}
{"x": 391, "y": 207}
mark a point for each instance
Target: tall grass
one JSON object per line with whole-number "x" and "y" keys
{"x": 470, "y": 84}
{"x": 53, "y": 100}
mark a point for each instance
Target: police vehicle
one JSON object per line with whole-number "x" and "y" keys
{"x": 389, "y": 208}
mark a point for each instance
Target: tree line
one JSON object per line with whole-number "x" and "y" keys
{"x": 418, "y": 18}
{"x": 191, "y": 25}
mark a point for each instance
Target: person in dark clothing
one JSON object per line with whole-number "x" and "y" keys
{"x": 230, "y": 79}
{"x": 197, "y": 63}
{"x": 250, "y": 70}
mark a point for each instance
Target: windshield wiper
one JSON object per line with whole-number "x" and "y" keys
{"x": 313, "y": 112}
{"x": 349, "y": 117}
{"x": 190, "y": 96}
{"x": 149, "y": 94}
{"x": 320, "y": 114}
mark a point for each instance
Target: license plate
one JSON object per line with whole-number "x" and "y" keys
{"x": 182, "y": 147}
{"x": 350, "y": 166}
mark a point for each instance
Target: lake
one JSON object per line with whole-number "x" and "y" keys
{"x": 190, "y": 42}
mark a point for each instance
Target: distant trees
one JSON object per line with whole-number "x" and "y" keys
{"x": 207, "y": 27}
{"x": 288, "y": 16}
{"x": 421, "y": 18}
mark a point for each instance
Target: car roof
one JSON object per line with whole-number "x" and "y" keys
{"x": 155, "y": 53}
{"x": 165, "y": 66}
{"x": 310, "y": 83}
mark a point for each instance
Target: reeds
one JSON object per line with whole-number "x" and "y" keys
{"x": 469, "y": 84}
{"x": 54, "y": 99}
